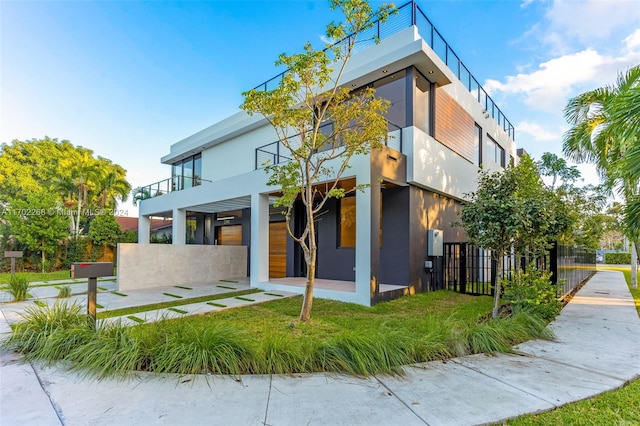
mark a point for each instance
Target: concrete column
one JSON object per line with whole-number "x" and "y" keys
{"x": 259, "y": 239}
{"x": 366, "y": 278}
{"x": 179, "y": 226}
{"x": 144, "y": 229}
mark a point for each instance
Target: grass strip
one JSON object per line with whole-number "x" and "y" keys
{"x": 183, "y": 287}
{"x": 117, "y": 293}
{"x": 103, "y": 288}
{"x": 39, "y": 303}
{"x": 173, "y": 295}
{"x": 179, "y": 311}
{"x": 229, "y": 281}
{"x": 99, "y": 306}
{"x": 136, "y": 319}
{"x": 219, "y": 305}
{"x": 227, "y": 287}
{"x": 246, "y": 299}
{"x": 274, "y": 294}
{"x": 169, "y": 304}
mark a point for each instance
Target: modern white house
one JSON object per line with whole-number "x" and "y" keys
{"x": 372, "y": 245}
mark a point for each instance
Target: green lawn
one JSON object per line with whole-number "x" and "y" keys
{"x": 46, "y": 277}
{"x": 38, "y": 276}
{"x": 618, "y": 407}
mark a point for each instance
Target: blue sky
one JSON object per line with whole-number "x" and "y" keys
{"x": 129, "y": 78}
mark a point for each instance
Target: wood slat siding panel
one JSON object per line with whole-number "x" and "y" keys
{"x": 230, "y": 235}
{"x": 454, "y": 126}
{"x": 277, "y": 249}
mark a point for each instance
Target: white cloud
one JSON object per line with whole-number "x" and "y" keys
{"x": 539, "y": 133}
{"x": 548, "y": 86}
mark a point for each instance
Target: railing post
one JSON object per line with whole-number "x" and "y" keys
{"x": 463, "y": 268}
{"x": 413, "y": 14}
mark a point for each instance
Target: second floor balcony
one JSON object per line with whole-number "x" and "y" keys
{"x": 172, "y": 184}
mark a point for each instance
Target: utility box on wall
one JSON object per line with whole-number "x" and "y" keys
{"x": 434, "y": 242}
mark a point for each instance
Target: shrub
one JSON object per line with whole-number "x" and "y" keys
{"x": 533, "y": 290}
{"x": 18, "y": 287}
{"x": 64, "y": 292}
{"x": 620, "y": 258}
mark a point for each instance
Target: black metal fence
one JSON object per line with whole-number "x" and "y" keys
{"x": 471, "y": 270}
{"x": 571, "y": 266}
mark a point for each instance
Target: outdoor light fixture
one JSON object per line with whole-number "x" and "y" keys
{"x": 430, "y": 71}
{"x": 225, "y": 218}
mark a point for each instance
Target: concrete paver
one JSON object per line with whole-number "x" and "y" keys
{"x": 597, "y": 348}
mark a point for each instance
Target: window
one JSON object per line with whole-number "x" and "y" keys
{"x": 347, "y": 220}
{"x": 495, "y": 152}
{"x": 393, "y": 88}
{"x": 187, "y": 173}
{"x": 477, "y": 141}
{"x": 192, "y": 225}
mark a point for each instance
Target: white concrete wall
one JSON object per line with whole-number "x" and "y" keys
{"x": 434, "y": 166}
{"x": 161, "y": 265}
{"x": 237, "y": 155}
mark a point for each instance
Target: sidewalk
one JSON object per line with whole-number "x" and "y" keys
{"x": 597, "y": 348}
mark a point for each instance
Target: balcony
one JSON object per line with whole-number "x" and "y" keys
{"x": 175, "y": 183}
{"x": 275, "y": 153}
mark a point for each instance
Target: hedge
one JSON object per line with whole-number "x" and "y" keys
{"x": 621, "y": 258}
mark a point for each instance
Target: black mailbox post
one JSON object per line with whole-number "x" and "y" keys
{"x": 91, "y": 270}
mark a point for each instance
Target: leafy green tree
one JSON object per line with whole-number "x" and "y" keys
{"x": 557, "y": 168}
{"x": 320, "y": 124}
{"x": 71, "y": 175}
{"x": 36, "y": 224}
{"x": 104, "y": 231}
{"x": 512, "y": 210}
{"x": 604, "y": 131}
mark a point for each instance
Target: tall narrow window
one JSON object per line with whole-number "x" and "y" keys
{"x": 477, "y": 141}
{"x": 495, "y": 152}
{"x": 187, "y": 172}
{"x": 347, "y": 219}
{"x": 197, "y": 169}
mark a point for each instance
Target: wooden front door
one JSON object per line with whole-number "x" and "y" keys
{"x": 230, "y": 235}
{"x": 277, "y": 249}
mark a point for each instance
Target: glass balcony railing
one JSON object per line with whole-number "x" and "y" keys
{"x": 175, "y": 183}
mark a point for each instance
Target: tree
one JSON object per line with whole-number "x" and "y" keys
{"x": 320, "y": 124}
{"x": 605, "y": 131}
{"x": 556, "y": 167}
{"x": 112, "y": 185}
{"x": 104, "y": 231}
{"x": 36, "y": 224}
{"x": 71, "y": 175}
{"x": 511, "y": 210}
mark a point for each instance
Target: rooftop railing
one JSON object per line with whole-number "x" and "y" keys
{"x": 411, "y": 14}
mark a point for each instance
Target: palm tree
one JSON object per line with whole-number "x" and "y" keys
{"x": 112, "y": 185}
{"x": 606, "y": 132}
{"x": 83, "y": 175}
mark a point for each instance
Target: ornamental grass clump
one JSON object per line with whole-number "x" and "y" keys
{"x": 18, "y": 287}
{"x": 49, "y": 333}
